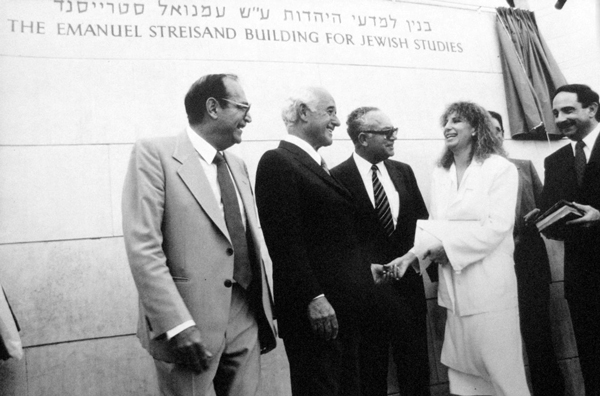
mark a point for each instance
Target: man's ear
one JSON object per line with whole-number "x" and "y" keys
{"x": 303, "y": 112}
{"x": 593, "y": 109}
{"x": 362, "y": 139}
{"x": 212, "y": 105}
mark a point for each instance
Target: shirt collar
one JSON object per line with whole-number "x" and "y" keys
{"x": 303, "y": 144}
{"x": 364, "y": 166}
{"x": 590, "y": 139}
{"x": 205, "y": 149}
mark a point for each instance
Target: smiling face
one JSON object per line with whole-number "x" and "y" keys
{"x": 233, "y": 117}
{"x": 375, "y": 147}
{"x": 573, "y": 120}
{"x": 458, "y": 134}
{"x": 321, "y": 120}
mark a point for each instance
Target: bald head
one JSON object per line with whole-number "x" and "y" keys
{"x": 310, "y": 113}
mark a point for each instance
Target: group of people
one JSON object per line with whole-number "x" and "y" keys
{"x": 347, "y": 246}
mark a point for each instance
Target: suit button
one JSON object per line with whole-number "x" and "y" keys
{"x": 229, "y": 251}
{"x": 228, "y": 283}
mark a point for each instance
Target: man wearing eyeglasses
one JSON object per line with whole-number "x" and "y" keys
{"x": 192, "y": 239}
{"x": 389, "y": 203}
{"x": 320, "y": 277}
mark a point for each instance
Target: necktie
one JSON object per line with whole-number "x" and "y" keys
{"x": 580, "y": 161}
{"x": 382, "y": 205}
{"x": 242, "y": 272}
{"x": 324, "y": 166}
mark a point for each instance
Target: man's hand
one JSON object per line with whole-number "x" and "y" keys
{"x": 397, "y": 267}
{"x": 590, "y": 217}
{"x": 531, "y": 217}
{"x": 190, "y": 349}
{"x": 322, "y": 318}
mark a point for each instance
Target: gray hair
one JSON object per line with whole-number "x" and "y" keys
{"x": 307, "y": 96}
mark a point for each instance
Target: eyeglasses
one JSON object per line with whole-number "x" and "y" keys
{"x": 242, "y": 106}
{"x": 390, "y": 133}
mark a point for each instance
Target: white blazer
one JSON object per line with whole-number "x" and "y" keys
{"x": 481, "y": 277}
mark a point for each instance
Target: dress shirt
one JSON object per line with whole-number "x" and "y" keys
{"x": 589, "y": 141}
{"x": 366, "y": 173}
{"x": 207, "y": 155}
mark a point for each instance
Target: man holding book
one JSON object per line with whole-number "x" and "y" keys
{"x": 572, "y": 174}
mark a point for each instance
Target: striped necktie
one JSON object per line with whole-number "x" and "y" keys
{"x": 382, "y": 205}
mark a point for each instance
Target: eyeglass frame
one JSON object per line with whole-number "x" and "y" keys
{"x": 389, "y": 133}
{"x": 241, "y": 106}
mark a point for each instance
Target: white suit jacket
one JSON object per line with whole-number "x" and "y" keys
{"x": 481, "y": 277}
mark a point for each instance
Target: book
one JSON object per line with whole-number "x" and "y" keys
{"x": 553, "y": 220}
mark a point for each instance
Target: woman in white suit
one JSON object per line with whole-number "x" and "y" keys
{"x": 472, "y": 206}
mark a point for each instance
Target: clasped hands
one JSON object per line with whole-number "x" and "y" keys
{"x": 395, "y": 269}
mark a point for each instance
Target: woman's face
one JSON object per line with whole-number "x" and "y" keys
{"x": 458, "y": 134}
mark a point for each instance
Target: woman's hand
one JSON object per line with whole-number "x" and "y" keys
{"x": 398, "y": 267}
{"x": 437, "y": 254}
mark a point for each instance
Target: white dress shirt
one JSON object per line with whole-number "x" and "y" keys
{"x": 305, "y": 146}
{"x": 366, "y": 173}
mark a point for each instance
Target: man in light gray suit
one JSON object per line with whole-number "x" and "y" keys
{"x": 193, "y": 243}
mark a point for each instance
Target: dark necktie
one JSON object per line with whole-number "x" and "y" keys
{"x": 324, "y": 166}
{"x": 580, "y": 161}
{"x": 382, "y": 205}
{"x": 242, "y": 272}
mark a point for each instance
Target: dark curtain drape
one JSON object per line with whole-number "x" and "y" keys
{"x": 530, "y": 75}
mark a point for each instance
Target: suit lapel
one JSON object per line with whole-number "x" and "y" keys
{"x": 310, "y": 163}
{"x": 243, "y": 186}
{"x": 399, "y": 183}
{"x": 193, "y": 177}
{"x": 356, "y": 186}
{"x": 593, "y": 167}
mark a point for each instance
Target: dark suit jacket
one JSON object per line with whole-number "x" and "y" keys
{"x": 582, "y": 245}
{"x": 179, "y": 249}
{"x": 531, "y": 258}
{"x": 380, "y": 247}
{"x": 308, "y": 220}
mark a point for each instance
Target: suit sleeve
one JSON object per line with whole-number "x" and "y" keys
{"x": 278, "y": 197}
{"x": 143, "y": 209}
{"x": 538, "y": 187}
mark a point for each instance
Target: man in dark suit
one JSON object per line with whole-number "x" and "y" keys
{"x": 400, "y": 311}
{"x": 532, "y": 268}
{"x": 321, "y": 280}
{"x": 193, "y": 243}
{"x": 573, "y": 173}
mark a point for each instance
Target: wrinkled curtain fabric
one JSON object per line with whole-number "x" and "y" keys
{"x": 530, "y": 75}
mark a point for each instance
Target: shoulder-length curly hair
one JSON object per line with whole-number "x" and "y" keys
{"x": 485, "y": 141}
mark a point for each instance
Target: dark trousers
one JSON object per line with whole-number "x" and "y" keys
{"x": 533, "y": 279}
{"x": 546, "y": 377}
{"x": 585, "y": 317}
{"x": 395, "y": 322}
{"x": 323, "y": 368}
